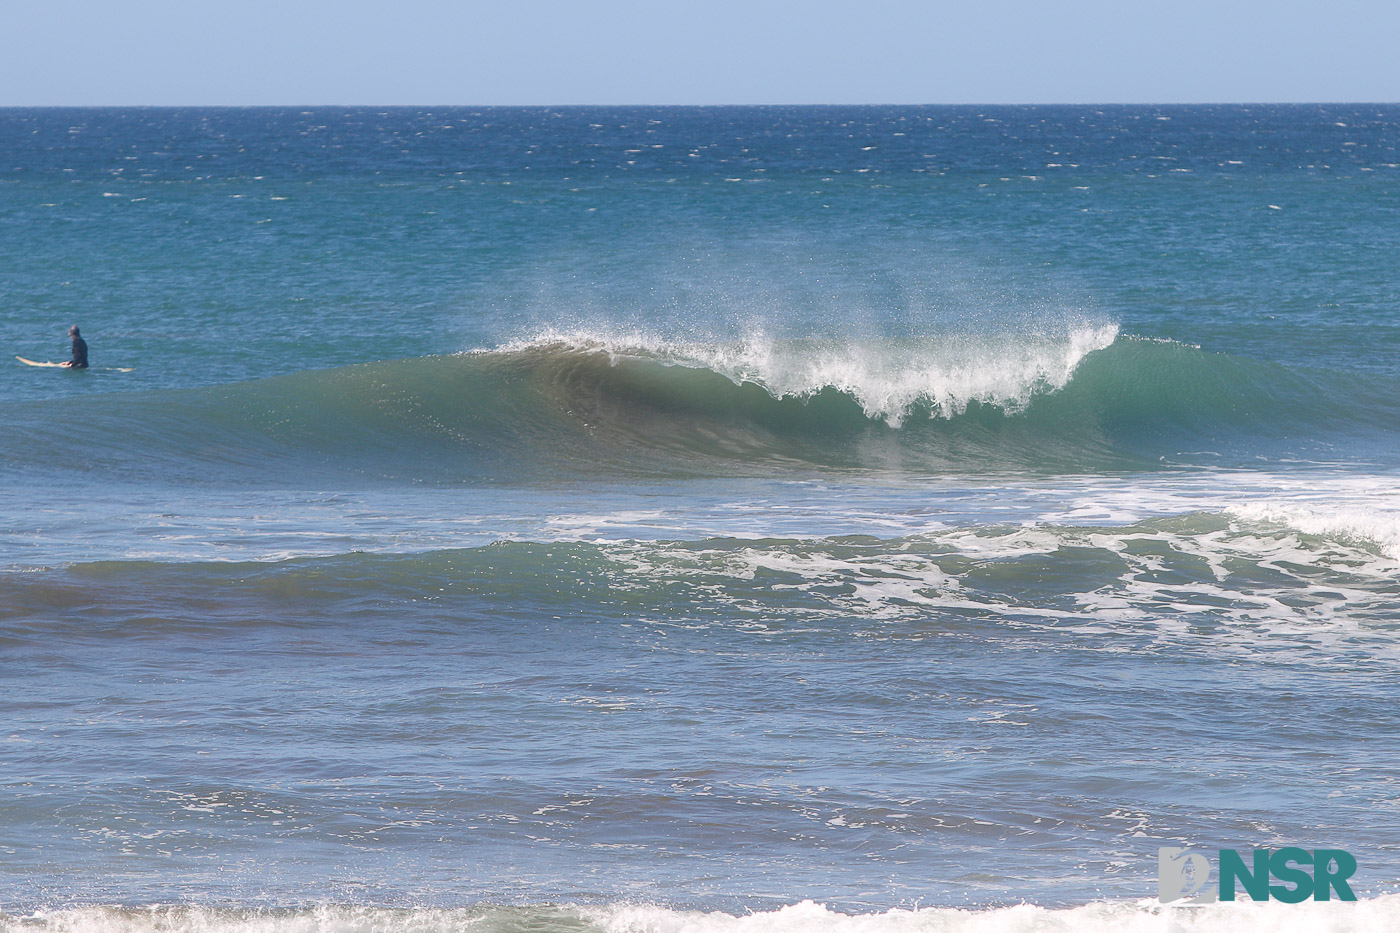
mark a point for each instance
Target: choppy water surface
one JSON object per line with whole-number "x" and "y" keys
{"x": 685, "y": 519}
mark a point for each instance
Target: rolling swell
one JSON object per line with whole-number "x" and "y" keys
{"x": 981, "y": 574}
{"x": 567, "y": 406}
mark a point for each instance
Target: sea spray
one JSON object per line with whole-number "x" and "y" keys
{"x": 889, "y": 378}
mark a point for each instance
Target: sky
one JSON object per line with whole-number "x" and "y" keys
{"x": 543, "y": 52}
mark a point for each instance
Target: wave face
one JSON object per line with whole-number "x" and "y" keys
{"x": 1082, "y": 400}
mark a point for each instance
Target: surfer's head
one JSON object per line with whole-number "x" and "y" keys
{"x": 73, "y": 331}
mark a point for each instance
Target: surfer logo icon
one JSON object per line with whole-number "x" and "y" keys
{"x": 1183, "y": 874}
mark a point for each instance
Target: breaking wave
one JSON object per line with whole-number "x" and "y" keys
{"x": 1084, "y": 400}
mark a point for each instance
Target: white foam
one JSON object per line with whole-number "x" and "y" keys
{"x": 1156, "y": 579}
{"x": 1144, "y": 916}
{"x": 1375, "y": 524}
{"x": 1120, "y": 917}
{"x": 887, "y": 377}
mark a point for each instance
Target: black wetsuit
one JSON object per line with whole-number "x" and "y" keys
{"x": 79, "y": 354}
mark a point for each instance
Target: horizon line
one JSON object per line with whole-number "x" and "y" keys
{"x": 289, "y": 106}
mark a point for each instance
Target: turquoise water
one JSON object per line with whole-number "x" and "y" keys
{"x": 640, "y": 518}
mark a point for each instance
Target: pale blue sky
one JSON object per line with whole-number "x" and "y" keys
{"x": 431, "y": 52}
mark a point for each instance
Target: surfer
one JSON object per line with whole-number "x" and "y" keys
{"x": 79, "y": 360}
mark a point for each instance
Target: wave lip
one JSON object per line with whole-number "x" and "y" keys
{"x": 888, "y": 378}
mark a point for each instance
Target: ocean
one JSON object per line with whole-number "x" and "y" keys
{"x": 695, "y": 520}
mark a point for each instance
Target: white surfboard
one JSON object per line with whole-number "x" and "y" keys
{"x": 109, "y": 369}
